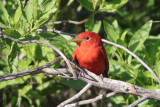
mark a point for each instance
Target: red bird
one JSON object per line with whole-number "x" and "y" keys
{"x": 90, "y": 53}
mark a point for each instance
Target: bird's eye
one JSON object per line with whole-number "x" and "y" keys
{"x": 87, "y": 38}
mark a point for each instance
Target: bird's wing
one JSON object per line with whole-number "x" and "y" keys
{"x": 106, "y": 61}
{"x": 74, "y": 57}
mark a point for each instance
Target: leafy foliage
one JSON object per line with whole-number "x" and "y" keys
{"x": 128, "y": 23}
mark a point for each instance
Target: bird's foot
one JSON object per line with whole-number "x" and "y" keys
{"x": 101, "y": 77}
{"x": 80, "y": 73}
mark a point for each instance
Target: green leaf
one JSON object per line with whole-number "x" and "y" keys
{"x": 129, "y": 59}
{"x": 118, "y": 99}
{"x": 12, "y": 33}
{"x": 4, "y": 84}
{"x": 28, "y": 14}
{"x": 24, "y": 63}
{"x": 13, "y": 58}
{"x": 157, "y": 68}
{"x": 112, "y": 35}
{"x": 115, "y": 26}
{"x": 40, "y": 77}
{"x": 112, "y": 5}
{"x": 45, "y": 85}
{"x": 24, "y": 90}
{"x": 47, "y": 5}
{"x": 13, "y": 100}
{"x": 154, "y": 50}
{"x": 35, "y": 94}
{"x": 97, "y": 27}
{"x": 34, "y": 8}
{"x": 3, "y": 25}
{"x": 4, "y": 14}
{"x": 123, "y": 35}
{"x": 18, "y": 14}
{"x": 87, "y": 4}
{"x": 89, "y": 24}
{"x": 95, "y": 3}
{"x": 139, "y": 37}
{"x": 38, "y": 52}
{"x": 44, "y": 19}
{"x": 30, "y": 51}
{"x": 122, "y": 43}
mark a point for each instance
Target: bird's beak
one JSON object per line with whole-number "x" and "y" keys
{"x": 77, "y": 40}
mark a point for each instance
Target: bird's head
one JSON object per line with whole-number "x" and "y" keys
{"x": 88, "y": 39}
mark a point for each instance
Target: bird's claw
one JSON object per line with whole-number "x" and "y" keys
{"x": 101, "y": 77}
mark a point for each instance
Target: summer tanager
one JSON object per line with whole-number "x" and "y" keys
{"x": 90, "y": 53}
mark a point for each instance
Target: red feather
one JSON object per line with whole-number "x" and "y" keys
{"x": 90, "y": 53}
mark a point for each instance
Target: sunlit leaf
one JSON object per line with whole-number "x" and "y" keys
{"x": 139, "y": 37}
{"x": 89, "y": 24}
{"x": 113, "y": 5}
{"x": 112, "y": 35}
{"x": 87, "y": 4}
{"x": 24, "y": 90}
{"x": 18, "y": 14}
{"x": 34, "y": 8}
{"x": 3, "y": 13}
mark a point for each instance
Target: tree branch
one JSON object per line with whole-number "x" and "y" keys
{"x": 29, "y": 72}
{"x": 138, "y": 101}
{"x": 109, "y": 84}
{"x": 75, "y": 96}
{"x": 56, "y": 31}
{"x": 69, "y": 21}
{"x": 99, "y": 97}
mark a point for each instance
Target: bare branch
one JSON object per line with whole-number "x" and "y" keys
{"x": 56, "y": 31}
{"x": 119, "y": 86}
{"x": 41, "y": 42}
{"x": 99, "y": 97}
{"x": 135, "y": 56}
{"x": 29, "y": 72}
{"x": 69, "y": 21}
{"x": 154, "y": 21}
{"x": 138, "y": 101}
{"x": 73, "y": 22}
{"x": 75, "y": 96}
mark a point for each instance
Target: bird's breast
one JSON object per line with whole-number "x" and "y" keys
{"x": 92, "y": 59}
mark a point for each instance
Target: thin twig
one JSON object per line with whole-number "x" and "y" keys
{"x": 73, "y": 22}
{"x": 75, "y": 96}
{"x": 55, "y": 31}
{"x": 28, "y": 72}
{"x": 135, "y": 56}
{"x": 99, "y": 97}
{"x": 42, "y": 42}
{"x": 138, "y": 101}
{"x": 68, "y": 21}
{"x": 154, "y": 21}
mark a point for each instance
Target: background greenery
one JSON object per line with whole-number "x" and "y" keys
{"x": 125, "y": 22}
